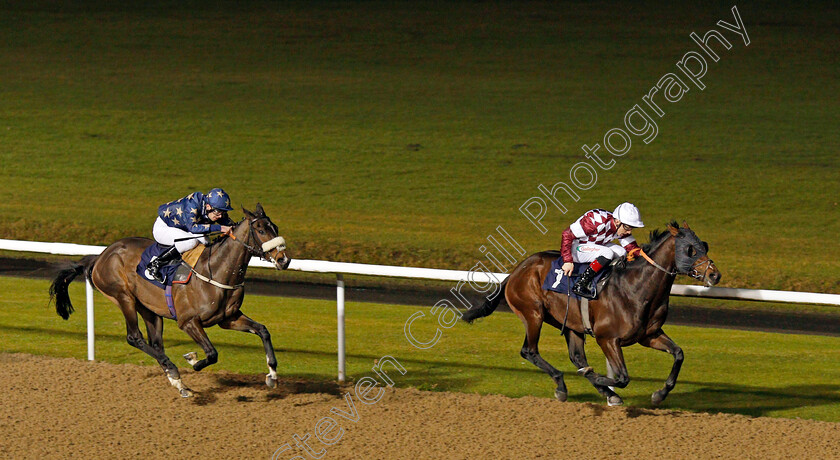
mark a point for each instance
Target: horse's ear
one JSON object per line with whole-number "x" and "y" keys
{"x": 685, "y": 225}
{"x": 674, "y": 230}
{"x": 247, "y": 213}
{"x": 259, "y": 211}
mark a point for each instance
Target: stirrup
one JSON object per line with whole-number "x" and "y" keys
{"x": 583, "y": 290}
{"x": 154, "y": 269}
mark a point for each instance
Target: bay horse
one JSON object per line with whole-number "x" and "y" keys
{"x": 631, "y": 308}
{"x": 212, "y": 299}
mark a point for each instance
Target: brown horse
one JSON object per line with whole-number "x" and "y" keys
{"x": 198, "y": 305}
{"x": 631, "y": 308}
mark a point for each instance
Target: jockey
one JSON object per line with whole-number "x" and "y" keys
{"x": 190, "y": 217}
{"x": 589, "y": 239}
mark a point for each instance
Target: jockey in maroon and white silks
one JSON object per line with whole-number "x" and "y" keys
{"x": 590, "y": 240}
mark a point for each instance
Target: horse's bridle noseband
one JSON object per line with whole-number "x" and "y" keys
{"x": 261, "y": 252}
{"x": 696, "y": 274}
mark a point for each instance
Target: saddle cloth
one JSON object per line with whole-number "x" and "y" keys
{"x": 557, "y": 281}
{"x": 175, "y": 272}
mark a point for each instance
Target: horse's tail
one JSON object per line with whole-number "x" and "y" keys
{"x": 490, "y": 305}
{"x": 58, "y": 288}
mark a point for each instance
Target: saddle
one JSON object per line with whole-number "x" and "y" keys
{"x": 176, "y": 272}
{"x": 184, "y": 272}
{"x": 558, "y": 282}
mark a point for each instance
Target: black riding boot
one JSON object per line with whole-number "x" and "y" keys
{"x": 161, "y": 261}
{"x": 582, "y": 287}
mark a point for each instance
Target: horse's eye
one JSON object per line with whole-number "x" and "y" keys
{"x": 690, "y": 251}
{"x": 261, "y": 232}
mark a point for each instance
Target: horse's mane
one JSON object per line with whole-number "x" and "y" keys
{"x": 657, "y": 237}
{"x": 221, "y": 238}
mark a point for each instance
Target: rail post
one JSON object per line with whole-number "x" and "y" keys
{"x": 340, "y": 313}
{"x": 89, "y": 295}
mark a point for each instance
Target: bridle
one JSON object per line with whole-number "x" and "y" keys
{"x": 694, "y": 272}
{"x": 261, "y": 252}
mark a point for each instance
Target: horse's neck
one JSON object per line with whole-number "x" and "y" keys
{"x": 664, "y": 256}
{"x": 229, "y": 259}
{"x": 652, "y": 278}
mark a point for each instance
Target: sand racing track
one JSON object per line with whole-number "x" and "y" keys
{"x": 69, "y": 408}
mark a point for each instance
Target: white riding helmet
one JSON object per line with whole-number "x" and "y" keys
{"x": 628, "y": 214}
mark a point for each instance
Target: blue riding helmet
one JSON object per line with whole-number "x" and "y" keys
{"x": 219, "y": 199}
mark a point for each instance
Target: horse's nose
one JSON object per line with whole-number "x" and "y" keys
{"x": 715, "y": 277}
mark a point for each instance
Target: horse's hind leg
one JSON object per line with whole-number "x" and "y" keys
{"x": 660, "y": 341}
{"x": 246, "y": 324}
{"x": 154, "y": 332}
{"x": 575, "y": 342}
{"x": 128, "y": 305}
{"x": 531, "y": 353}
{"x": 193, "y": 329}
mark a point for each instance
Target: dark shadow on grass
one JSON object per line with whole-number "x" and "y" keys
{"x": 754, "y": 401}
{"x": 81, "y": 335}
{"x": 257, "y": 348}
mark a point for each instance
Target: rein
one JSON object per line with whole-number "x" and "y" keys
{"x": 253, "y": 251}
{"x": 695, "y": 273}
{"x": 646, "y": 257}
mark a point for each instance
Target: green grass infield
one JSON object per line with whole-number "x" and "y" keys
{"x": 404, "y": 133}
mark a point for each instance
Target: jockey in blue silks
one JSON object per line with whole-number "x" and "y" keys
{"x": 190, "y": 217}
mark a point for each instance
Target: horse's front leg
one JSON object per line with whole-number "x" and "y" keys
{"x": 194, "y": 329}
{"x": 615, "y": 359}
{"x": 660, "y": 341}
{"x": 240, "y": 322}
{"x": 577, "y": 354}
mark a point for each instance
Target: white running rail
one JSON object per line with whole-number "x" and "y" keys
{"x": 344, "y": 268}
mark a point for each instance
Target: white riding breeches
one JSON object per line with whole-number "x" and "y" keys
{"x": 588, "y": 252}
{"x": 167, "y": 235}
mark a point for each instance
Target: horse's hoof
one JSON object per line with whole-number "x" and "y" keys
{"x": 270, "y": 382}
{"x": 657, "y": 397}
{"x": 615, "y": 400}
{"x": 560, "y": 395}
{"x": 186, "y": 393}
{"x": 191, "y": 357}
